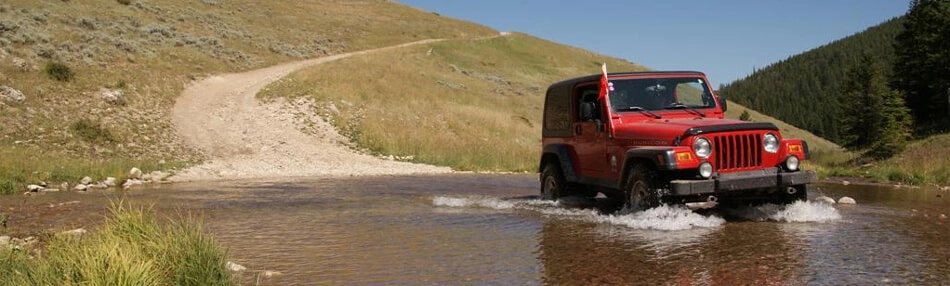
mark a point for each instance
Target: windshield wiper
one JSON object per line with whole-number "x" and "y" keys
{"x": 678, "y": 105}
{"x": 644, "y": 110}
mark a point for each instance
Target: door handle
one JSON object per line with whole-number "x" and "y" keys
{"x": 577, "y": 130}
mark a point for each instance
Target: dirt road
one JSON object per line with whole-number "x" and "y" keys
{"x": 244, "y": 138}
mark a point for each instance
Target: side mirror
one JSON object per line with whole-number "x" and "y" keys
{"x": 722, "y": 101}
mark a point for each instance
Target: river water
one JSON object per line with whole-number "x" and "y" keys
{"x": 492, "y": 229}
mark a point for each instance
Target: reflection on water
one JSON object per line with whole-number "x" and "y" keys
{"x": 491, "y": 229}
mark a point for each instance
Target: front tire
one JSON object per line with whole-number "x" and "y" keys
{"x": 640, "y": 189}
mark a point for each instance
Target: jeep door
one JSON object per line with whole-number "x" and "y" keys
{"x": 589, "y": 132}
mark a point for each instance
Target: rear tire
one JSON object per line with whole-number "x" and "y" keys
{"x": 640, "y": 189}
{"x": 553, "y": 184}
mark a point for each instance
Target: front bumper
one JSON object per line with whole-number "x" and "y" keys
{"x": 770, "y": 178}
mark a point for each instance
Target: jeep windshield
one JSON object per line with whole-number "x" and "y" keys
{"x": 652, "y": 94}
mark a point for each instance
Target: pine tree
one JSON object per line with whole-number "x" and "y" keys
{"x": 873, "y": 116}
{"x": 922, "y": 66}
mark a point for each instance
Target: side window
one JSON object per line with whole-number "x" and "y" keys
{"x": 586, "y": 94}
{"x": 692, "y": 93}
{"x": 557, "y": 111}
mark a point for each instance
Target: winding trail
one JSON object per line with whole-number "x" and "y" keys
{"x": 244, "y": 138}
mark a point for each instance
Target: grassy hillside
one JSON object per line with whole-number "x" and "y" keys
{"x": 923, "y": 162}
{"x": 472, "y": 104}
{"x": 469, "y": 104}
{"x": 148, "y": 51}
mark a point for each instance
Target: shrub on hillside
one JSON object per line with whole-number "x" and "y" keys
{"x": 7, "y": 187}
{"x": 91, "y": 131}
{"x": 745, "y": 116}
{"x": 58, "y": 71}
{"x": 124, "y": 2}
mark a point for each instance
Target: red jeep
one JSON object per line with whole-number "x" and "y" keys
{"x": 661, "y": 137}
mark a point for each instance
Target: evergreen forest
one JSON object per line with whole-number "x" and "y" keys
{"x": 871, "y": 91}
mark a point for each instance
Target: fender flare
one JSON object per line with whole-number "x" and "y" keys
{"x": 563, "y": 154}
{"x": 661, "y": 158}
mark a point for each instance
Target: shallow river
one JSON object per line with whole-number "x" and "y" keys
{"x": 491, "y": 229}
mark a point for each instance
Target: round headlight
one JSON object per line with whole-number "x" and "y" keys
{"x": 705, "y": 170}
{"x": 770, "y": 142}
{"x": 791, "y": 163}
{"x": 702, "y": 147}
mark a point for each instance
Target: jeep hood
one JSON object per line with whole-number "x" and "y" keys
{"x": 667, "y": 130}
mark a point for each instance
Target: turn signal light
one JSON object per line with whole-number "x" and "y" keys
{"x": 794, "y": 148}
{"x": 684, "y": 156}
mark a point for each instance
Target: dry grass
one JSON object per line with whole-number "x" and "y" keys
{"x": 150, "y": 50}
{"x": 468, "y": 104}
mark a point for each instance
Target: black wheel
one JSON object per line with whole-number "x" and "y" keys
{"x": 640, "y": 189}
{"x": 553, "y": 185}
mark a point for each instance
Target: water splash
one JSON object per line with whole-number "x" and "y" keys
{"x": 665, "y": 218}
{"x": 660, "y": 218}
{"x": 803, "y": 211}
{"x": 491, "y": 203}
{"x": 807, "y": 212}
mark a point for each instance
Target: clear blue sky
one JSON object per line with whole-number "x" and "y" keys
{"x": 725, "y": 39}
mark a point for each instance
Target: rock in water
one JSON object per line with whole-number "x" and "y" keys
{"x": 824, "y": 199}
{"x": 97, "y": 186}
{"x": 135, "y": 173}
{"x": 270, "y": 273}
{"x": 34, "y": 188}
{"x": 109, "y": 182}
{"x": 847, "y": 201}
{"x": 86, "y": 180}
{"x": 131, "y": 183}
{"x": 78, "y": 231}
{"x": 234, "y": 267}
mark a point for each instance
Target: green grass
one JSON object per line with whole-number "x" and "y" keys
{"x": 468, "y": 104}
{"x": 132, "y": 247}
{"x": 27, "y": 165}
{"x": 924, "y": 162}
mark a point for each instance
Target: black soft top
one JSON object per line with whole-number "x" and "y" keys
{"x": 593, "y": 77}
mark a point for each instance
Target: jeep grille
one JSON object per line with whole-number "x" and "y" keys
{"x": 739, "y": 151}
